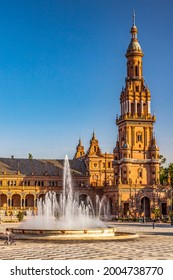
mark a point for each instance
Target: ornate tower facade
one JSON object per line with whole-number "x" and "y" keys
{"x": 136, "y": 153}
{"x": 99, "y": 165}
{"x": 80, "y": 152}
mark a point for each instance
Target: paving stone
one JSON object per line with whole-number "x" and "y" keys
{"x": 153, "y": 244}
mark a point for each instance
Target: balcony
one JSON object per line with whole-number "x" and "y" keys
{"x": 135, "y": 117}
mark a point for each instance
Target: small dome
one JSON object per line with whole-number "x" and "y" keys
{"x": 134, "y": 29}
{"x": 134, "y": 46}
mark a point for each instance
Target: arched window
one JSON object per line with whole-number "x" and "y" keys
{"x": 132, "y": 108}
{"x": 145, "y": 108}
{"x": 136, "y": 71}
{"x": 137, "y": 88}
{"x": 139, "y": 137}
{"x": 138, "y": 108}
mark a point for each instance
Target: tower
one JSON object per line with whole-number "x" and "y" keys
{"x": 94, "y": 148}
{"x": 80, "y": 152}
{"x": 136, "y": 155}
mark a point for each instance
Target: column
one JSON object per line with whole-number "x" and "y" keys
{"x": 127, "y": 135}
{"x": 35, "y": 201}
{"x": 24, "y": 202}
{"x": 124, "y": 106}
{"x": 133, "y": 136}
{"x": 9, "y": 199}
{"x": 142, "y": 107}
{"x": 129, "y": 107}
{"x": 135, "y": 106}
{"x": 149, "y": 107}
{"x": 21, "y": 200}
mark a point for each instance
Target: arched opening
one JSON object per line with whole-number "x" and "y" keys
{"x": 85, "y": 198}
{"x": 110, "y": 206}
{"x": 86, "y": 204}
{"x": 16, "y": 200}
{"x": 58, "y": 197}
{"x": 138, "y": 109}
{"x": 29, "y": 200}
{"x": 126, "y": 209}
{"x": 136, "y": 71}
{"x": 105, "y": 207}
{"x": 42, "y": 196}
{"x": 132, "y": 108}
{"x": 145, "y": 207}
{"x": 145, "y": 109}
{"x": 164, "y": 208}
{"x": 3, "y": 200}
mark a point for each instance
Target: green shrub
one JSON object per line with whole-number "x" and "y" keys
{"x": 20, "y": 216}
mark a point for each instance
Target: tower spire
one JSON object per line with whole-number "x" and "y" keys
{"x": 79, "y": 150}
{"x": 93, "y": 136}
{"x": 80, "y": 141}
{"x": 134, "y": 17}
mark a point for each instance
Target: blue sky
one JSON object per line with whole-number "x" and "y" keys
{"x": 62, "y": 67}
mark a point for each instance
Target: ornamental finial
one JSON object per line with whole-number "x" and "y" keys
{"x": 134, "y": 17}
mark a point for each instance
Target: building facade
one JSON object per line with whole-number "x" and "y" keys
{"x": 127, "y": 179}
{"x": 99, "y": 165}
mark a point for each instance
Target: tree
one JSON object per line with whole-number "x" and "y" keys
{"x": 171, "y": 214}
{"x": 163, "y": 175}
{"x": 170, "y": 173}
{"x": 171, "y": 217}
{"x": 30, "y": 156}
{"x": 166, "y": 174}
{"x": 156, "y": 212}
{"x": 162, "y": 160}
{"x": 163, "y": 170}
{"x": 20, "y": 216}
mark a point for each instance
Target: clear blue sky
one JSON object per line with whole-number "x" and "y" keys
{"x": 62, "y": 67}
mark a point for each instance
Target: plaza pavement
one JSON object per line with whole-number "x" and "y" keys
{"x": 154, "y": 244}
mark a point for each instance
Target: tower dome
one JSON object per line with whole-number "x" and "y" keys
{"x": 134, "y": 46}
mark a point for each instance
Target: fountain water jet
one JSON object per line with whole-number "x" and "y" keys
{"x": 66, "y": 218}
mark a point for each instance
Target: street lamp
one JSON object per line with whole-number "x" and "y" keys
{"x": 171, "y": 209}
{"x": 144, "y": 209}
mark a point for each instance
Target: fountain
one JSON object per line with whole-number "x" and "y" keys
{"x": 66, "y": 217}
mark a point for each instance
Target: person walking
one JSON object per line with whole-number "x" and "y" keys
{"x": 9, "y": 239}
{"x": 8, "y": 236}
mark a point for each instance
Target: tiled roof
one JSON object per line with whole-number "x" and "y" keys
{"x": 40, "y": 167}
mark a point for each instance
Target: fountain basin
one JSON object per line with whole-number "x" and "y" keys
{"x": 84, "y": 234}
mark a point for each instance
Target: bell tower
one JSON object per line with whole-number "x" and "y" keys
{"x": 80, "y": 152}
{"x": 136, "y": 153}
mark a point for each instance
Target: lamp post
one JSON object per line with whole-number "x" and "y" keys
{"x": 0, "y": 207}
{"x": 171, "y": 209}
{"x": 171, "y": 190}
{"x": 144, "y": 209}
{"x": 105, "y": 171}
